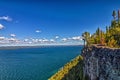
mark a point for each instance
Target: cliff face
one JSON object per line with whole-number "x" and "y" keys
{"x": 101, "y": 63}
{"x": 96, "y": 63}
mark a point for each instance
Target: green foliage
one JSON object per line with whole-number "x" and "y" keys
{"x": 111, "y": 37}
{"x": 114, "y": 14}
{"x": 64, "y": 71}
{"x": 112, "y": 42}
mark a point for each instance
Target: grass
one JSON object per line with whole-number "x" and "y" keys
{"x": 65, "y": 70}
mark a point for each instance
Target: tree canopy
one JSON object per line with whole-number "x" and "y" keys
{"x": 110, "y": 37}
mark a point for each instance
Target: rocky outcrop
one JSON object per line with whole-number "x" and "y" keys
{"x": 101, "y": 63}
{"x": 96, "y": 63}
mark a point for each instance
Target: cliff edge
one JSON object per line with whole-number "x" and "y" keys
{"x": 101, "y": 63}
{"x": 96, "y": 63}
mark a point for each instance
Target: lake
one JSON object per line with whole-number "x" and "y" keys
{"x": 37, "y": 63}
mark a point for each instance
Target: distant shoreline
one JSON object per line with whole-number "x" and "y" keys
{"x": 30, "y": 46}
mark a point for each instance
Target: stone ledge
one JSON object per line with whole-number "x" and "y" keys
{"x": 101, "y": 62}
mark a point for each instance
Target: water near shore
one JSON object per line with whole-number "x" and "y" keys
{"x": 35, "y": 63}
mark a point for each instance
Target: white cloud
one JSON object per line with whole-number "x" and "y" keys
{"x": 35, "y": 40}
{"x": 64, "y": 39}
{"x": 25, "y": 40}
{"x": 2, "y": 38}
{"x": 52, "y": 40}
{"x": 30, "y": 42}
{"x": 40, "y": 40}
{"x": 37, "y": 31}
{"x": 12, "y": 39}
{"x": 1, "y": 26}
{"x": 56, "y": 37}
{"x": 6, "y": 18}
{"x": 45, "y": 40}
{"x": 72, "y": 39}
{"x": 12, "y": 35}
{"x": 76, "y": 38}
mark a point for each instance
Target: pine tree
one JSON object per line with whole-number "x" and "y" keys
{"x": 118, "y": 18}
{"x": 114, "y": 14}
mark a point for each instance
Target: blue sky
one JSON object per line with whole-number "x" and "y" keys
{"x": 50, "y": 18}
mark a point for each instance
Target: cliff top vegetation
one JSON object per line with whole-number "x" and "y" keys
{"x": 65, "y": 70}
{"x": 110, "y": 37}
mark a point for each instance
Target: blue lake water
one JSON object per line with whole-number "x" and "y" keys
{"x": 35, "y": 63}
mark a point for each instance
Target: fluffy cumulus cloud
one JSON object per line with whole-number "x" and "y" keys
{"x": 12, "y": 35}
{"x": 25, "y": 40}
{"x": 1, "y": 26}
{"x": 45, "y": 40}
{"x": 2, "y": 38}
{"x": 12, "y": 39}
{"x": 56, "y": 37}
{"x": 64, "y": 39}
{"x": 52, "y": 40}
{"x": 76, "y": 38}
{"x": 6, "y": 18}
{"x": 38, "y": 31}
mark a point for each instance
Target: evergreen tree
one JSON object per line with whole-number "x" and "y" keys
{"x": 114, "y": 14}
{"x": 119, "y": 18}
{"x": 111, "y": 37}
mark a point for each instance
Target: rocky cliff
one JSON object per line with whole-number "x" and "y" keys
{"x": 101, "y": 63}
{"x": 96, "y": 63}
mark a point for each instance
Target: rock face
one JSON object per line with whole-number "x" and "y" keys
{"x": 98, "y": 63}
{"x": 101, "y": 63}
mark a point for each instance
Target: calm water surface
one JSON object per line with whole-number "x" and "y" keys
{"x": 35, "y": 63}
